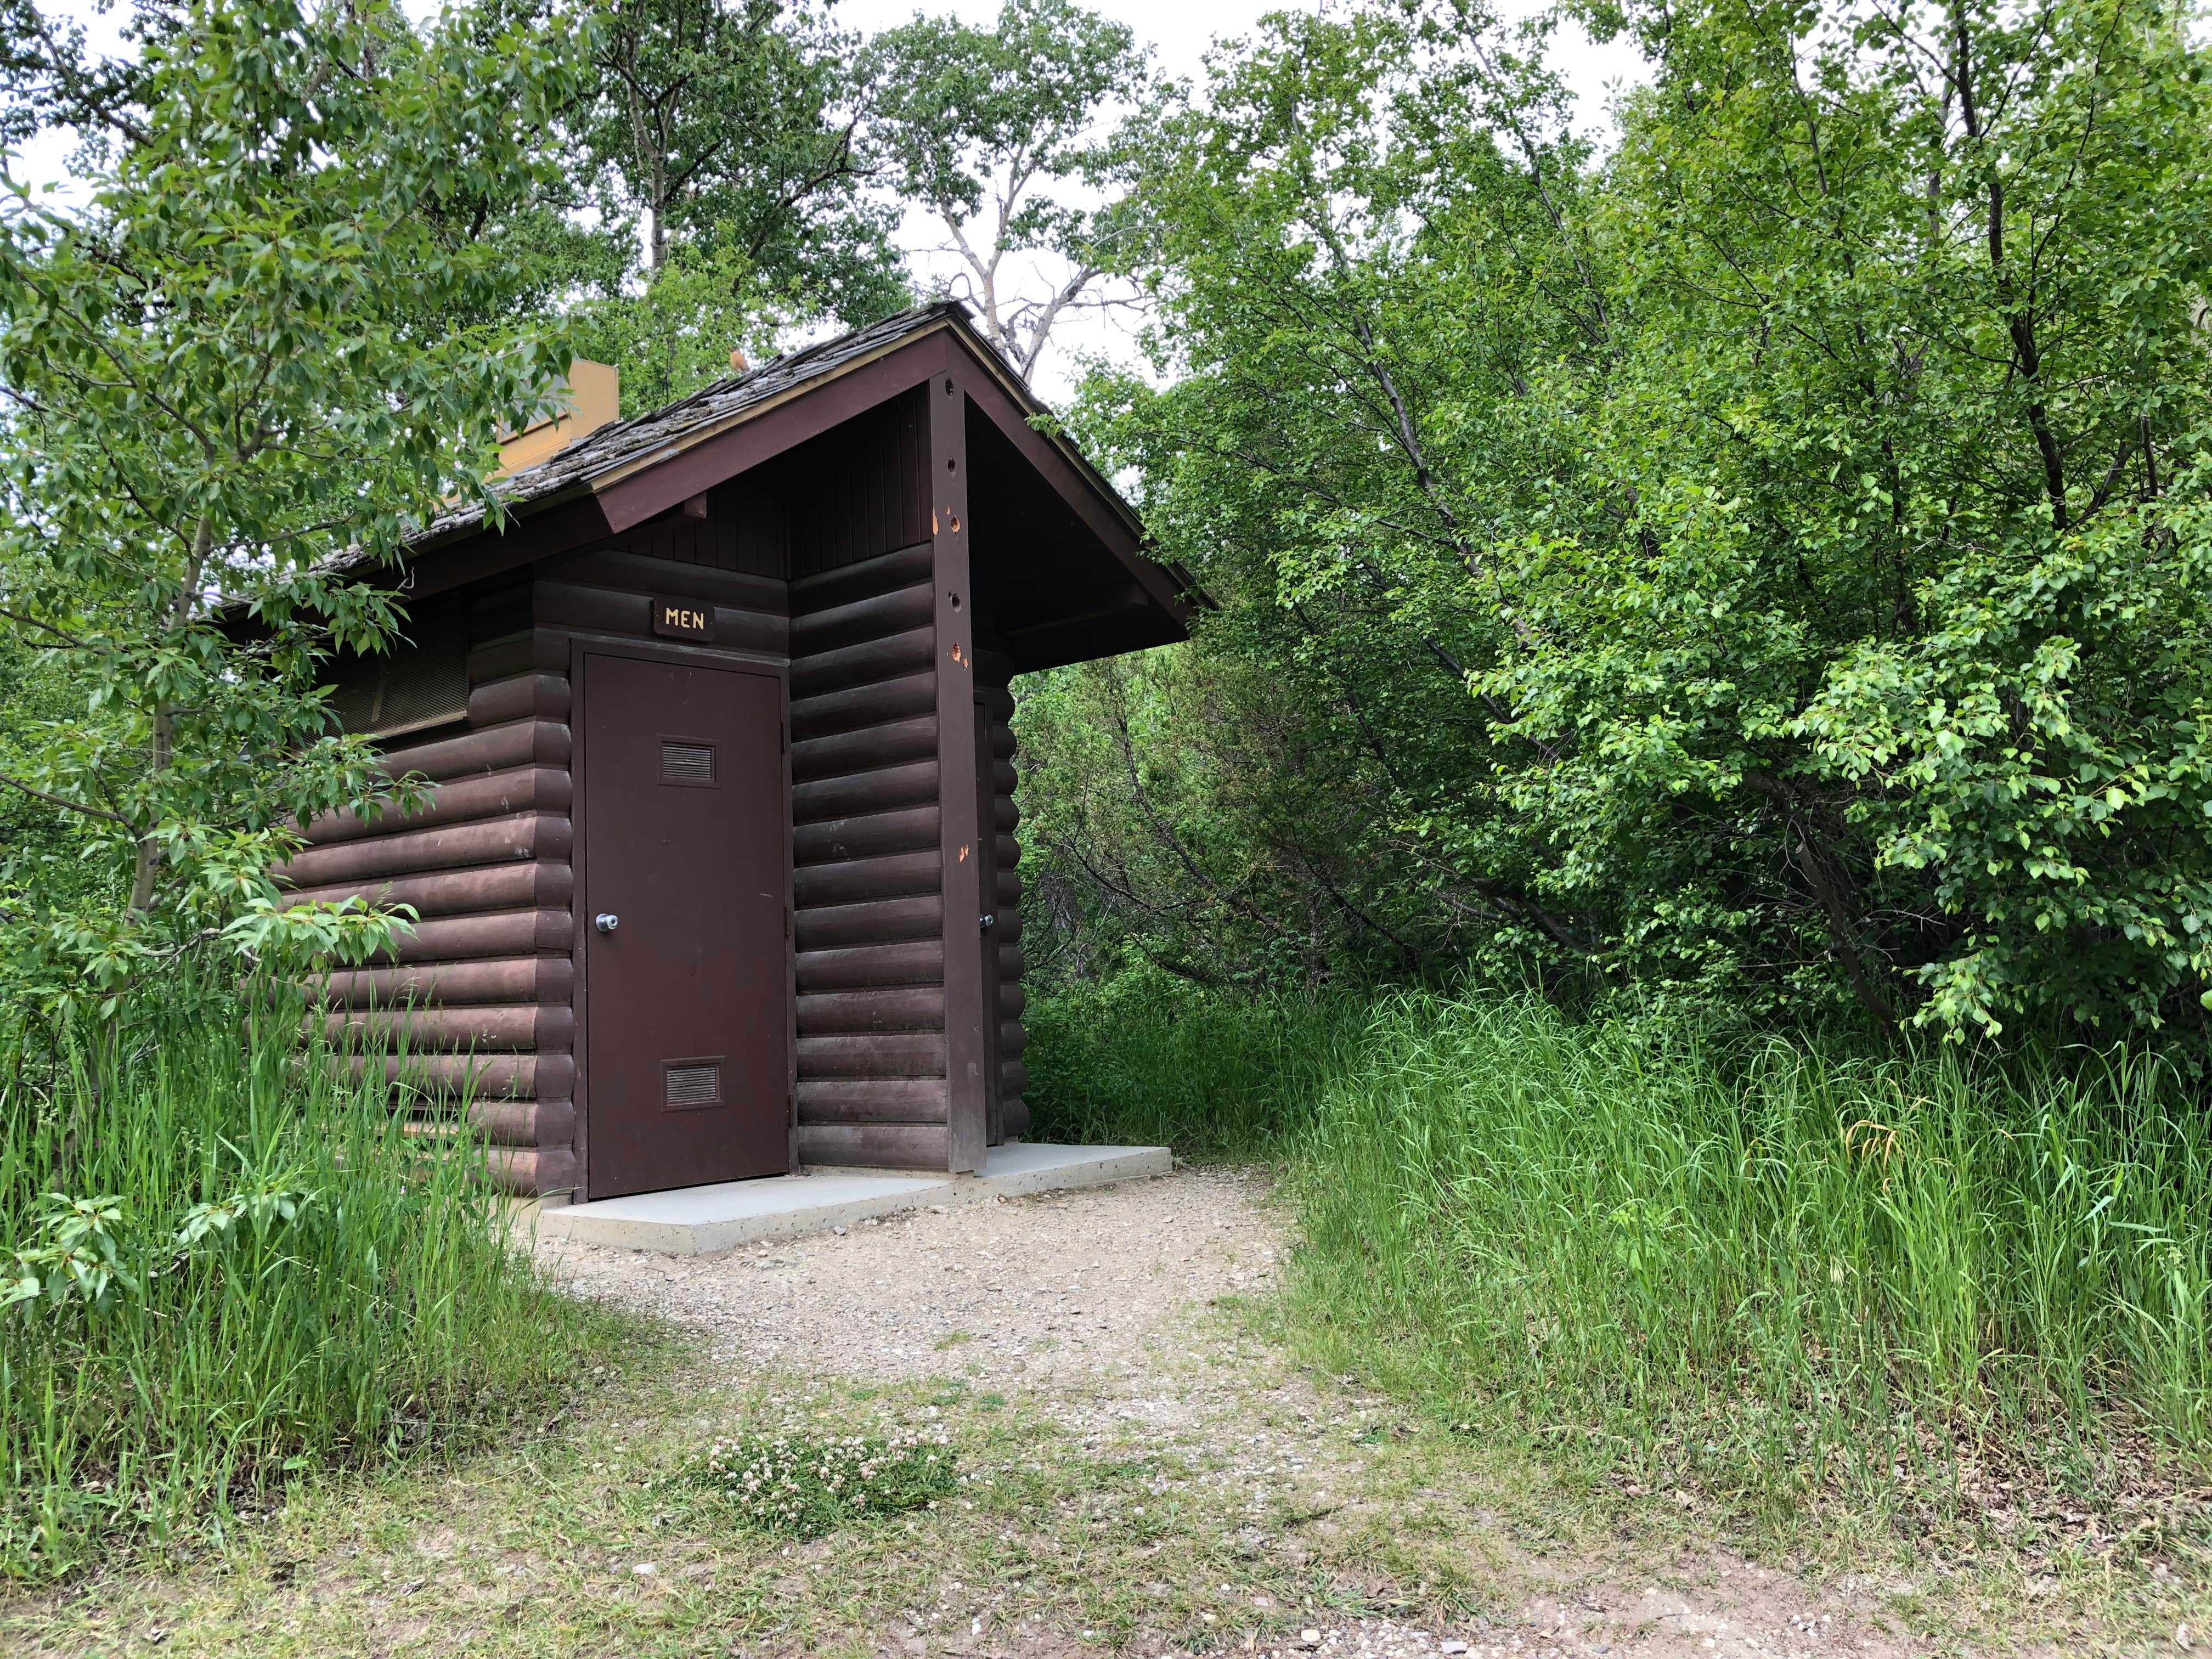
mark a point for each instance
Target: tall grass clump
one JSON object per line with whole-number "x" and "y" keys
{"x": 1143, "y": 1059}
{"x": 225, "y": 1261}
{"x": 1768, "y": 1272}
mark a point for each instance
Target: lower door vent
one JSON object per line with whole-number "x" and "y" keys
{"x": 692, "y": 1083}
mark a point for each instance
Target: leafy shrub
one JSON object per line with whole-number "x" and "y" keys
{"x": 805, "y": 1485}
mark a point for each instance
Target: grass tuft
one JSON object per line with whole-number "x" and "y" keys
{"x": 1776, "y": 1272}
{"x": 225, "y": 1262}
{"x": 1147, "y": 1059}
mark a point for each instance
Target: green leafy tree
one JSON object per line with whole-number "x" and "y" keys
{"x": 998, "y": 133}
{"x": 1808, "y": 497}
{"x": 236, "y": 379}
{"x": 729, "y": 128}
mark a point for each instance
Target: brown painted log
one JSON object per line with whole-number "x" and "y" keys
{"x": 1015, "y": 1115}
{"x": 461, "y": 892}
{"x": 919, "y": 963}
{"x": 879, "y": 835}
{"x": 1012, "y": 964}
{"x": 508, "y": 980}
{"x": 875, "y": 1146}
{"x": 900, "y": 1054}
{"x": 899, "y": 1008}
{"x": 1001, "y": 703}
{"x": 1006, "y": 817}
{"x": 1010, "y": 890}
{"x": 1002, "y": 744}
{"x": 534, "y": 1026}
{"x": 496, "y": 794}
{"x": 817, "y": 632}
{"x": 503, "y": 933}
{"x": 880, "y": 790}
{"x": 607, "y": 611}
{"x": 1012, "y": 1039}
{"x": 906, "y": 652}
{"x": 1012, "y": 1000}
{"x": 828, "y": 590}
{"x": 491, "y": 841}
{"x": 492, "y": 749}
{"x": 1008, "y": 850}
{"x": 860, "y": 705}
{"x": 520, "y": 696}
{"x": 640, "y": 573}
{"x": 497, "y": 612}
{"x": 872, "y": 1100}
{"x": 483, "y": 1077}
{"x": 1013, "y": 1076}
{"x": 533, "y": 651}
{"x": 1004, "y": 778}
{"x": 899, "y": 743}
{"x": 524, "y": 1123}
{"x": 906, "y": 876}
{"x": 1007, "y": 929}
{"x": 885, "y": 922}
{"x": 527, "y": 1174}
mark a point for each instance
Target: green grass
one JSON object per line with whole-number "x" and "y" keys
{"x": 232, "y": 1267}
{"x": 1762, "y": 1275}
{"x": 1146, "y": 1060}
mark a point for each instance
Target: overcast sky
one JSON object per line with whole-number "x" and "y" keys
{"x": 1179, "y": 31}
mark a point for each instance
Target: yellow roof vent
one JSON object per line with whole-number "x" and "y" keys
{"x": 591, "y": 395}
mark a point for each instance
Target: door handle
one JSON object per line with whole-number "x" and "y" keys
{"x": 606, "y": 921}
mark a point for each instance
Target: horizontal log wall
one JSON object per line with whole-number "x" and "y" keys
{"x": 869, "y": 923}
{"x": 474, "y": 1002}
{"x": 481, "y": 994}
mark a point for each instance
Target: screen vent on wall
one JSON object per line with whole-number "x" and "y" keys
{"x": 686, "y": 762}
{"x": 693, "y": 1082}
{"x": 421, "y": 682}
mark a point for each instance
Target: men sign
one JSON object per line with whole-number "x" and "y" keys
{"x": 683, "y": 619}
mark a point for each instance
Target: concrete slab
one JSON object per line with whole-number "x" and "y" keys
{"x": 701, "y": 1220}
{"x": 1017, "y": 1170}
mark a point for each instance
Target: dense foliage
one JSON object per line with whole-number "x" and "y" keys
{"x": 267, "y": 338}
{"x": 223, "y": 1261}
{"x": 728, "y": 132}
{"x": 1763, "y": 564}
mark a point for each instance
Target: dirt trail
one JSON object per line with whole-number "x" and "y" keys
{"x": 1095, "y": 1307}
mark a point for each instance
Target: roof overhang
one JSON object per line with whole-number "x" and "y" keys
{"x": 643, "y": 482}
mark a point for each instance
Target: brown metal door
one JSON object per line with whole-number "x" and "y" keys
{"x": 686, "y": 1006}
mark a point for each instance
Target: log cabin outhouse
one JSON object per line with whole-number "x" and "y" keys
{"x": 719, "y": 876}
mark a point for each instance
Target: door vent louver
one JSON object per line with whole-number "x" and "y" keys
{"x": 694, "y": 1083}
{"x": 686, "y": 762}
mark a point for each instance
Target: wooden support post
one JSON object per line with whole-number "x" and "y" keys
{"x": 967, "y": 1015}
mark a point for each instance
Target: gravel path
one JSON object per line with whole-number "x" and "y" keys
{"x": 1094, "y": 1304}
